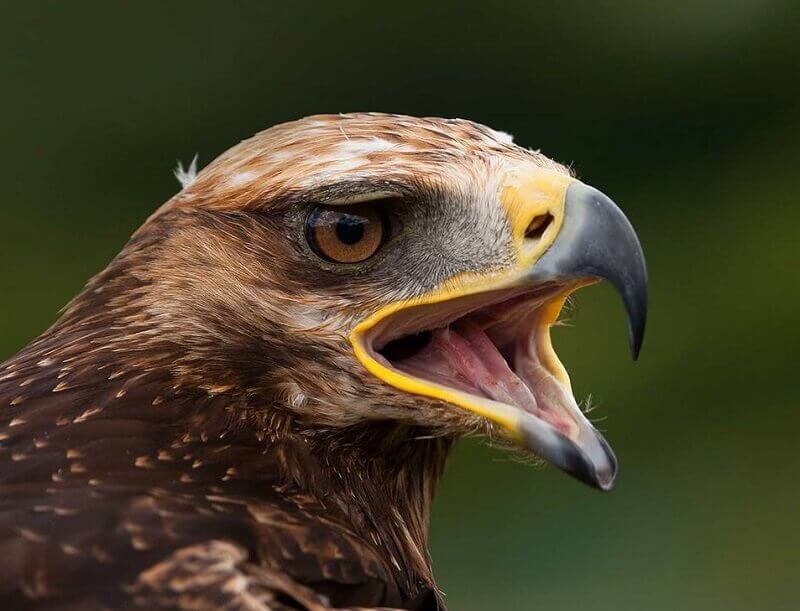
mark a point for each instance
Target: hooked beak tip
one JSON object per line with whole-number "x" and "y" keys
{"x": 597, "y": 240}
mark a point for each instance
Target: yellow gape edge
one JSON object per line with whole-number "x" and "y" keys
{"x": 527, "y": 193}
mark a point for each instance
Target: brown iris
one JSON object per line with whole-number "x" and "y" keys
{"x": 346, "y": 234}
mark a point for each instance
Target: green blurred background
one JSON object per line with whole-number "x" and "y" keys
{"x": 686, "y": 113}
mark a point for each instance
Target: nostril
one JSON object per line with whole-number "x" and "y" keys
{"x": 538, "y": 226}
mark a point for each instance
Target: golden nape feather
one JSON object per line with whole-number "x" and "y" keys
{"x": 252, "y": 405}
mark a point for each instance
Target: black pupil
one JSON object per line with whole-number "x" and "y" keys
{"x": 350, "y": 228}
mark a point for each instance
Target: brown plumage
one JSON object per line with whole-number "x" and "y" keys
{"x": 195, "y": 432}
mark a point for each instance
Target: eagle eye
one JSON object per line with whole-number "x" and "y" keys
{"x": 346, "y": 234}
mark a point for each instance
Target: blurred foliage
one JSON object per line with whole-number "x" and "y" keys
{"x": 687, "y": 113}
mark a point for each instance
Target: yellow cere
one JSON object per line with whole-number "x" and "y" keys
{"x": 525, "y": 195}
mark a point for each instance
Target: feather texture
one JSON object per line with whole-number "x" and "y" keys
{"x": 194, "y": 431}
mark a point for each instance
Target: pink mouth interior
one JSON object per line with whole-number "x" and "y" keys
{"x": 489, "y": 351}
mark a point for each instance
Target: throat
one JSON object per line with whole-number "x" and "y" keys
{"x": 382, "y": 479}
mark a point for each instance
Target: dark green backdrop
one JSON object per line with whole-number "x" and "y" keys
{"x": 687, "y": 114}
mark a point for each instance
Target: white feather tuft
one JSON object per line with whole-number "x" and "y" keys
{"x": 188, "y": 175}
{"x": 504, "y": 137}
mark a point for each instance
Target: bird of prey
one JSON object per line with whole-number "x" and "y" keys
{"x": 252, "y": 405}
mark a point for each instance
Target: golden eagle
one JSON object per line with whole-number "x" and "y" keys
{"x": 251, "y": 406}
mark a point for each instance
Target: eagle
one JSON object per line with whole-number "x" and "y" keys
{"x": 252, "y": 405}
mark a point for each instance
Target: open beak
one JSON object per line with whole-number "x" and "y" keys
{"x": 482, "y": 342}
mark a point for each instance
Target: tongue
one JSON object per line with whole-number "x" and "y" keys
{"x": 473, "y": 355}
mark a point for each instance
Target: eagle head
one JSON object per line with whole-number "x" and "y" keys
{"x": 356, "y": 268}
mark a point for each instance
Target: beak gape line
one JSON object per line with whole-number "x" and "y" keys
{"x": 485, "y": 346}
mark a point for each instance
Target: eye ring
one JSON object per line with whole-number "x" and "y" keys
{"x": 346, "y": 234}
